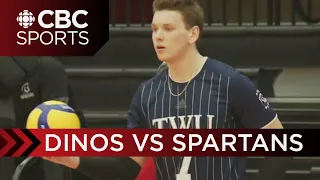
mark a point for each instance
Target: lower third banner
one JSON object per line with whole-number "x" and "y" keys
{"x": 160, "y": 142}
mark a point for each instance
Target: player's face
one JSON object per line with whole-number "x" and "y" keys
{"x": 170, "y": 36}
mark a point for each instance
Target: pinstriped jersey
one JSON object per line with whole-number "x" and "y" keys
{"x": 217, "y": 97}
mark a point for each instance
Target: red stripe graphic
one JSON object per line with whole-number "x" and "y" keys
{"x": 10, "y": 142}
{"x": 27, "y": 143}
{"x": 3, "y": 142}
{"x": 17, "y": 142}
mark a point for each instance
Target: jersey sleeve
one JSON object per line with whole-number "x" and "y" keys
{"x": 54, "y": 82}
{"x": 136, "y": 117}
{"x": 248, "y": 104}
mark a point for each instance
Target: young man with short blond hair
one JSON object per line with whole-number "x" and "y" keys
{"x": 213, "y": 94}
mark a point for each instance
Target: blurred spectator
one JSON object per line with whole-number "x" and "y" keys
{"x": 26, "y": 82}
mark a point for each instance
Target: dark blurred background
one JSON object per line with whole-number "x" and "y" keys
{"x": 274, "y": 42}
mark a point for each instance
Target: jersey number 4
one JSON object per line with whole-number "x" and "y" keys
{"x": 183, "y": 174}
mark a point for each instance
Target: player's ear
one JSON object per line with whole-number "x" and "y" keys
{"x": 194, "y": 34}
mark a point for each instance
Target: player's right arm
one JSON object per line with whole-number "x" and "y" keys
{"x": 137, "y": 119}
{"x": 122, "y": 168}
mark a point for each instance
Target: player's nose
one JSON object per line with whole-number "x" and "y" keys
{"x": 158, "y": 35}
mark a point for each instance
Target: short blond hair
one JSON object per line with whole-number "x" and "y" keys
{"x": 191, "y": 11}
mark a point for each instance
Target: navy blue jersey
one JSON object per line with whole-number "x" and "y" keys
{"x": 217, "y": 97}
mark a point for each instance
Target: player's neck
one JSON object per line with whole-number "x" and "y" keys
{"x": 186, "y": 67}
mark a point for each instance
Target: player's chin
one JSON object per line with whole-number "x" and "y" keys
{"x": 163, "y": 57}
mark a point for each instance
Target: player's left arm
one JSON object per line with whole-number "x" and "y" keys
{"x": 274, "y": 124}
{"x": 54, "y": 81}
{"x": 250, "y": 106}
{"x": 254, "y": 111}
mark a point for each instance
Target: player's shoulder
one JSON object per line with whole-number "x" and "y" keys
{"x": 219, "y": 67}
{"x": 158, "y": 79}
{"x": 236, "y": 77}
{"x": 50, "y": 66}
{"x": 50, "y": 62}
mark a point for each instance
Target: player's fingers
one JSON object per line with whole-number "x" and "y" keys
{"x": 46, "y": 158}
{"x": 49, "y": 159}
{"x": 53, "y": 160}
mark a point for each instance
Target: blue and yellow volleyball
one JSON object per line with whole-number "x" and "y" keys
{"x": 53, "y": 115}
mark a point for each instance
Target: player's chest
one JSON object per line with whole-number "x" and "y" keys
{"x": 203, "y": 104}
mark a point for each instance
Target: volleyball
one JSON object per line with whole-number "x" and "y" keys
{"x": 53, "y": 115}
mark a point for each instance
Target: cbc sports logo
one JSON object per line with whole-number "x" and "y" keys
{"x": 63, "y": 19}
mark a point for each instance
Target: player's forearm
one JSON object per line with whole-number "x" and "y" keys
{"x": 123, "y": 168}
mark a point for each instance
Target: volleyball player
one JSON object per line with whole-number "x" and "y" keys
{"x": 195, "y": 91}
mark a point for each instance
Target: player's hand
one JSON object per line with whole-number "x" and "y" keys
{"x": 71, "y": 162}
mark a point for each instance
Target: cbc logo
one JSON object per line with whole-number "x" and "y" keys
{"x": 25, "y": 19}
{"x": 63, "y": 19}
{"x": 55, "y": 28}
